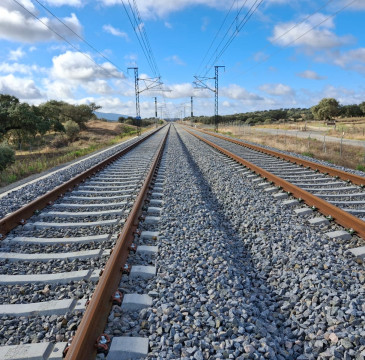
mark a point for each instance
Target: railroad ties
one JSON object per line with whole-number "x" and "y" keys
{"x": 51, "y": 265}
{"x": 219, "y": 262}
{"x": 342, "y": 194}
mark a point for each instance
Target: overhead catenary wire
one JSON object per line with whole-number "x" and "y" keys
{"x": 79, "y": 36}
{"x": 147, "y": 39}
{"x": 243, "y": 22}
{"x": 300, "y": 36}
{"x": 141, "y": 34}
{"x": 216, "y": 36}
{"x": 64, "y": 39}
{"x": 295, "y": 25}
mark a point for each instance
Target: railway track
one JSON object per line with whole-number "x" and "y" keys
{"x": 335, "y": 193}
{"x": 51, "y": 264}
{"x": 215, "y": 267}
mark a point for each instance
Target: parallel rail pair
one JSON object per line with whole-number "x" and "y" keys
{"x": 84, "y": 343}
{"x": 342, "y": 217}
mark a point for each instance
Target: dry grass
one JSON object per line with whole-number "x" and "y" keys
{"x": 98, "y": 135}
{"x": 352, "y": 157}
{"x": 352, "y": 128}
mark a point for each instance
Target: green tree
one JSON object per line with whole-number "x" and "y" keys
{"x": 326, "y": 109}
{"x": 81, "y": 114}
{"x": 351, "y": 110}
{"x": 7, "y": 104}
{"x": 362, "y": 107}
{"x": 7, "y": 156}
{"x": 72, "y": 129}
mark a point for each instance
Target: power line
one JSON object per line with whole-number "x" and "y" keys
{"x": 225, "y": 35}
{"x": 147, "y": 39}
{"x": 295, "y": 25}
{"x": 76, "y": 34}
{"x": 63, "y": 38}
{"x": 243, "y": 22}
{"x": 300, "y": 36}
{"x": 141, "y": 34}
{"x": 216, "y": 35}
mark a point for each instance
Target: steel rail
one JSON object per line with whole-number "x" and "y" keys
{"x": 340, "y": 216}
{"x": 19, "y": 217}
{"x": 355, "y": 179}
{"x": 95, "y": 318}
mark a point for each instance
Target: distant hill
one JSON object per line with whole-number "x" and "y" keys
{"x": 108, "y": 116}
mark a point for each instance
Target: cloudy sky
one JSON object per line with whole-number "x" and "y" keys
{"x": 287, "y": 53}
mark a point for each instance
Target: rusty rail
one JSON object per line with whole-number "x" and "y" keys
{"x": 94, "y": 320}
{"x": 20, "y": 216}
{"x": 355, "y": 179}
{"x": 340, "y": 216}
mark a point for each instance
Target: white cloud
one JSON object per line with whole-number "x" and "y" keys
{"x": 76, "y": 3}
{"x": 59, "y": 90}
{"x": 116, "y": 32}
{"x": 305, "y": 35}
{"x": 76, "y": 66}
{"x": 205, "y": 23}
{"x": 99, "y": 87}
{"x": 18, "y": 25}
{"x": 161, "y": 8}
{"x": 175, "y": 59}
{"x": 168, "y": 25}
{"x": 185, "y": 90}
{"x": 277, "y": 89}
{"x": 15, "y": 55}
{"x": 20, "y": 68}
{"x": 310, "y": 74}
{"x": 352, "y": 59}
{"x": 237, "y": 92}
{"x": 22, "y": 88}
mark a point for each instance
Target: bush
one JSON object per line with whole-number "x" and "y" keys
{"x": 7, "y": 156}
{"x": 59, "y": 141}
{"x": 126, "y": 130}
{"x": 72, "y": 129}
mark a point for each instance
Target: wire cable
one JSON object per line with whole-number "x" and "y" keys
{"x": 216, "y": 35}
{"x": 243, "y": 22}
{"x": 64, "y": 39}
{"x": 300, "y": 36}
{"x": 76, "y": 34}
{"x": 225, "y": 35}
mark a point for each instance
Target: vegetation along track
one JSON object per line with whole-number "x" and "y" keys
{"x": 51, "y": 264}
{"x": 336, "y": 194}
{"x": 216, "y": 269}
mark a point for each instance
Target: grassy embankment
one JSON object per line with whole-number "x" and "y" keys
{"x": 352, "y": 157}
{"x": 98, "y": 135}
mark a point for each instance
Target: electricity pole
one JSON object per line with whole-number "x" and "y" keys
{"x": 156, "y": 110}
{"x": 138, "y": 109}
{"x": 216, "y": 97}
{"x": 191, "y": 102}
{"x": 201, "y": 83}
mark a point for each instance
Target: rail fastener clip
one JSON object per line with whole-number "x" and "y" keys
{"x": 102, "y": 344}
{"x": 132, "y": 248}
{"x": 126, "y": 269}
{"x": 117, "y": 298}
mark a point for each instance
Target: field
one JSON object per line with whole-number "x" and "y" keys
{"x": 98, "y": 135}
{"x": 346, "y": 155}
{"x": 350, "y": 128}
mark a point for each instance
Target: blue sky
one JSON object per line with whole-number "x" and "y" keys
{"x": 289, "y": 53}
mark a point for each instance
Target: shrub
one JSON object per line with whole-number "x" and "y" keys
{"x": 72, "y": 129}
{"x": 7, "y": 156}
{"x": 360, "y": 167}
{"x": 126, "y": 130}
{"x": 59, "y": 141}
